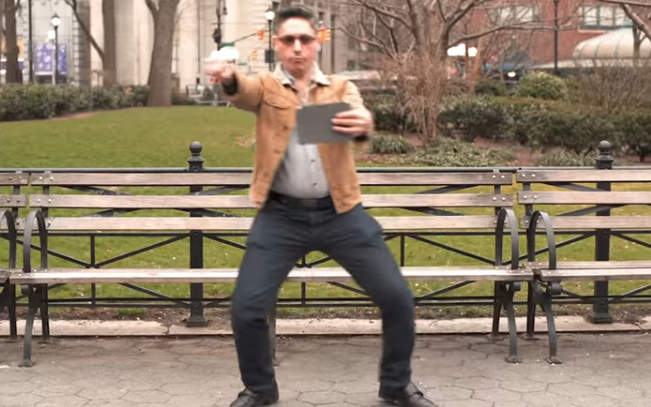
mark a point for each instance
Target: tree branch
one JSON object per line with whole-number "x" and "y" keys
{"x": 73, "y": 5}
{"x": 637, "y": 20}
{"x": 152, "y": 8}
{"x": 367, "y": 5}
{"x": 365, "y": 41}
{"x": 392, "y": 34}
{"x": 627, "y": 3}
{"x": 471, "y": 37}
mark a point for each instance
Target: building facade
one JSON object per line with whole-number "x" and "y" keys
{"x": 193, "y": 39}
{"x": 578, "y": 21}
{"x": 73, "y": 46}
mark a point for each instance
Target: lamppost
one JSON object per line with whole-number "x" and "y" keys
{"x": 270, "y": 15}
{"x": 30, "y": 36}
{"x": 217, "y": 36}
{"x": 220, "y": 10}
{"x": 556, "y": 28}
{"x": 55, "y": 23}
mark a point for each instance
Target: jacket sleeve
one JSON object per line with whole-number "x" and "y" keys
{"x": 353, "y": 97}
{"x": 246, "y": 94}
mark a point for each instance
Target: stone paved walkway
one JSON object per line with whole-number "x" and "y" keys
{"x": 457, "y": 371}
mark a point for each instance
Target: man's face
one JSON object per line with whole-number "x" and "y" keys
{"x": 296, "y": 45}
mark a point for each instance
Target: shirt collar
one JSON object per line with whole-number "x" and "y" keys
{"x": 317, "y": 76}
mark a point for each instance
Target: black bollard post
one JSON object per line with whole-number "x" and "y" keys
{"x": 600, "y": 313}
{"x": 196, "y": 318}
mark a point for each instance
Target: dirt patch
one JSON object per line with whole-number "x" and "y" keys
{"x": 80, "y": 115}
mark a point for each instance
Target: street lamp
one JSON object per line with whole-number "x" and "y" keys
{"x": 55, "y": 23}
{"x": 270, "y": 15}
{"x": 217, "y": 34}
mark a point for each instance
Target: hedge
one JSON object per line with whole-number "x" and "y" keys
{"x": 29, "y": 102}
{"x": 544, "y": 124}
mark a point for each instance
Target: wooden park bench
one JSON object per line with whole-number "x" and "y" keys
{"x": 10, "y": 204}
{"x": 588, "y": 192}
{"x": 206, "y": 212}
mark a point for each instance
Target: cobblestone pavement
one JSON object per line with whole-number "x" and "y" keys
{"x": 456, "y": 371}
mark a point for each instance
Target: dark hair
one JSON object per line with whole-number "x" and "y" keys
{"x": 295, "y": 12}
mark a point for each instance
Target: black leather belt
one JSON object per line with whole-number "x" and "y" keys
{"x": 302, "y": 203}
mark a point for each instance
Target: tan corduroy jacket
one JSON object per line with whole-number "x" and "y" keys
{"x": 275, "y": 105}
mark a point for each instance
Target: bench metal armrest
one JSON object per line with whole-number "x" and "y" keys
{"x": 549, "y": 232}
{"x": 35, "y": 215}
{"x": 507, "y": 213}
{"x": 13, "y": 235}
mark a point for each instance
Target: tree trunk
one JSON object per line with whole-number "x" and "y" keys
{"x": 109, "y": 63}
{"x": 637, "y": 44}
{"x": 2, "y": 26}
{"x": 160, "y": 72}
{"x": 13, "y": 74}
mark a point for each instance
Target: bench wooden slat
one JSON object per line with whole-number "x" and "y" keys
{"x": 594, "y": 222}
{"x": 389, "y": 223}
{"x": 4, "y": 275}
{"x": 79, "y": 276}
{"x": 243, "y": 201}
{"x": 596, "y": 274}
{"x": 141, "y": 179}
{"x": 244, "y": 179}
{"x": 618, "y": 264}
{"x": 585, "y": 198}
{"x": 580, "y": 176}
{"x": 11, "y": 201}
{"x": 14, "y": 179}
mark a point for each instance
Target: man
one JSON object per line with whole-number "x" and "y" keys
{"x": 309, "y": 199}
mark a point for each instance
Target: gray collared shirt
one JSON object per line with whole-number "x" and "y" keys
{"x": 301, "y": 173}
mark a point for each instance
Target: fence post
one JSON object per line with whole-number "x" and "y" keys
{"x": 600, "y": 313}
{"x": 196, "y": 318}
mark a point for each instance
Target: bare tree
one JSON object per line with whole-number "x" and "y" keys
{"x": 13, "y": 74}
{"x": 109, "y": 62}
{"x": 160, "y": 72}
{"x": 107, "y": 54}
{"x": 636, "y": 10}
{"x": 411, "y": 39}
{"x": 2, "y": 25}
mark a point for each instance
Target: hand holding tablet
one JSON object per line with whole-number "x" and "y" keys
{"x": 329, "y": 123}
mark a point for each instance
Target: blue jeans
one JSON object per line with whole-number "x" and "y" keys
{"x": 280, "y": 235}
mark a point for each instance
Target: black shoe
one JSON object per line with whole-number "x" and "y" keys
{"x": 410, "y": 396}
{"x": 250, "y": 398}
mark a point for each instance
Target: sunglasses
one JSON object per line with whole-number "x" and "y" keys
{"x": 291, "y": 39}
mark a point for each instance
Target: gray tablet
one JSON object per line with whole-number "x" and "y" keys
{"x": 314, "y": 124}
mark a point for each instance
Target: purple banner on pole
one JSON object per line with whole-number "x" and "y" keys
{"x": 3, "y": 65}
{"x": 44, "y": 59}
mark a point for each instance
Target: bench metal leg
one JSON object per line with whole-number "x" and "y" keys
{"x": 531, "y": 312}
{"x": 8, "y": 301}
{"x": 272, "y": 334}
{"x": 513, "y": 330}
{"x": 497, "y": 311}
{"x": 45, "y": 315}
{"x": 504, "y": 294}
{"x": 544, "y": 300}
{"x": 34, "y": 296}
{"x": 546, "y": 305}
{"x": 13, "y": 319}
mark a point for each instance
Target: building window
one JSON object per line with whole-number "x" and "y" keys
{"x": 514, "y": 15}
{"x": 351, "y": 65}
{"x": 603, "y": 18}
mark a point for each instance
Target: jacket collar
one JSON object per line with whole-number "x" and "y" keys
{"x": 286, "y": 79}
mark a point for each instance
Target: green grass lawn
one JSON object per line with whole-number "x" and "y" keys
{"x": 160, "y": 138}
